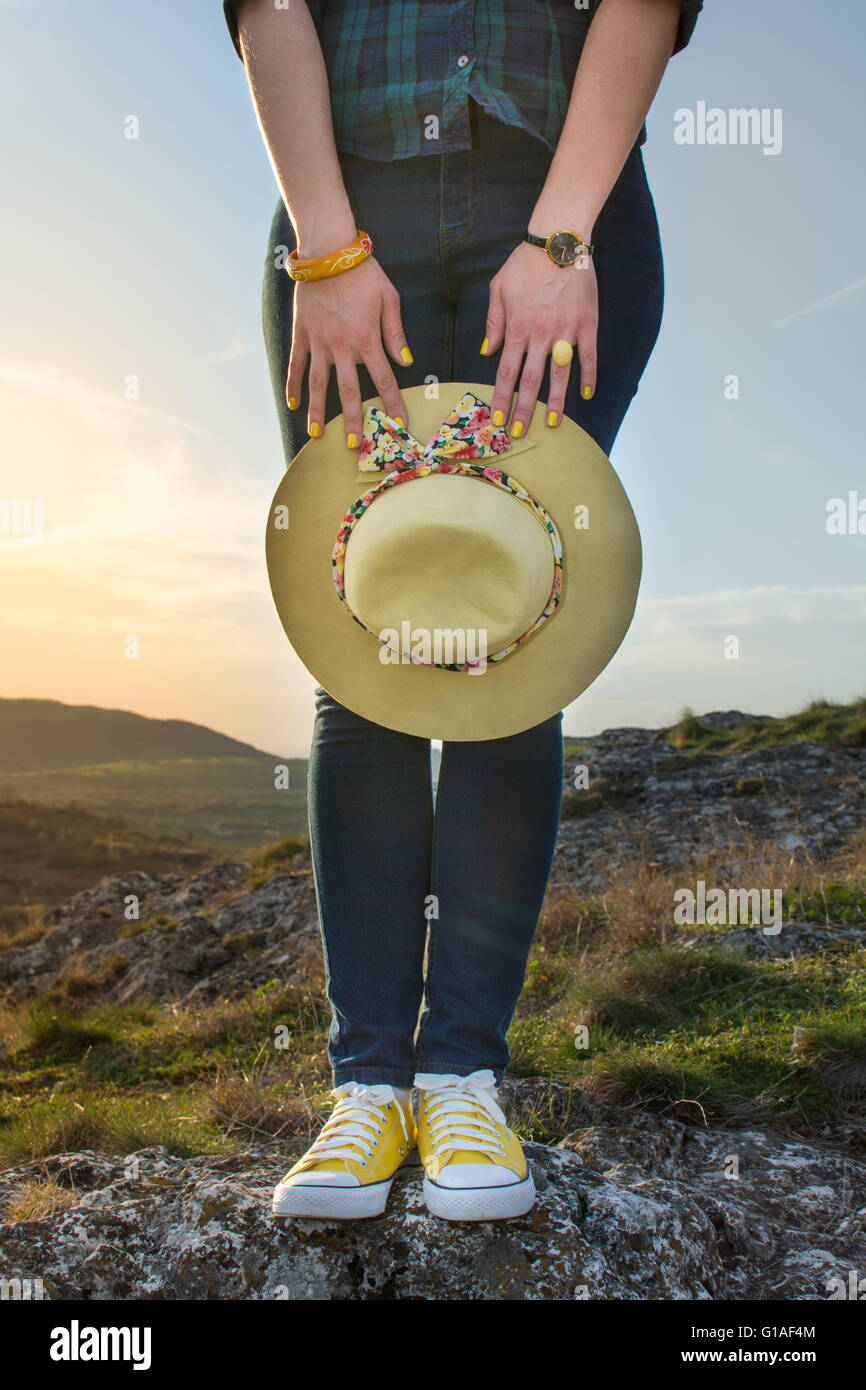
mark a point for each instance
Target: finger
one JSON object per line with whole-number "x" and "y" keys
{"x": 393, "y": 335}
{"x": 510, "y": 363}
{"x": 530, "y": 384}
{"x": 559, "y": 377}
{"x": 385, "y": 383}
{"x": 317, "y": 384}
{"x": 298, "y": 358}
{"x": 350, "y": 399}
{"x": 494, "y": 329}
{"x": 587, "y": 336}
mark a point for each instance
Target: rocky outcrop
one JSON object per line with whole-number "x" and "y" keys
{"x": 649, "y": 1210}
{"x": 647, "y": 800}
{"x": 199, "y": 939}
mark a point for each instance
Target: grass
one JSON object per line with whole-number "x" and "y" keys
{"x": 221, "y": 801}
{"x": 613, "y": 1006}
{"x": 820, "y": 721}
{"x": 611, "y": 1011}
{"x": 286, "y": 856}
{"x": 48, "y": 853}
{"x": 40, "y": 1198}
{"x": 118, "y": 1077}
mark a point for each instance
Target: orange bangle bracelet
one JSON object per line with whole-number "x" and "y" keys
{"x": 321, "y": 267}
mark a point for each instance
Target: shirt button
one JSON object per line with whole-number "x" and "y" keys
{"x": 462, "y": 60}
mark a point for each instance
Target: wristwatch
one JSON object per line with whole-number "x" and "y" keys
{"x": 564, "y": 248}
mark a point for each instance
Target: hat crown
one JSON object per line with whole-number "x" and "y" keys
{"x": 447, "y": 553}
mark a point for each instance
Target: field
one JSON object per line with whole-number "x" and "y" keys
{"x": 228, "y": 802}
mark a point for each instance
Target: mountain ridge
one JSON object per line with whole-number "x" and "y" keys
{"x": 37, "y": 734}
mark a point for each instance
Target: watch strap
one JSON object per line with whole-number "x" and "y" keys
{"x": 587, "y": 247}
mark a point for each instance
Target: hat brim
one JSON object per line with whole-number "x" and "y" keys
{"x": 602, "y": 565}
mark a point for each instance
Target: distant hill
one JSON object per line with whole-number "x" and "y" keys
{"x": 36, "y": 735}
{"x": 164, "y": 777}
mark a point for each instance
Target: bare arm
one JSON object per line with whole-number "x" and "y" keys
{"x": 533, "y": 302}
{"x": 341, "y": 321}
{"x": 289, "y": 88}
{"x": 622, "y": 63}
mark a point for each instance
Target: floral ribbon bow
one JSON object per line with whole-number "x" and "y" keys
{"x": 467, "y": 433}
{"x": 466, "y": 437}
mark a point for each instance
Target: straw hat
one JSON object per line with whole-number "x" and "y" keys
{"x": 447, "y": 580}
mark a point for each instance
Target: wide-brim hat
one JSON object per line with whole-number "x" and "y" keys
{"x": 449, "y": 581}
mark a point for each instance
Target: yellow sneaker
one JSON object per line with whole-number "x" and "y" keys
{"x": 475, "y": 1169}
{"x": 348, "y": 1171}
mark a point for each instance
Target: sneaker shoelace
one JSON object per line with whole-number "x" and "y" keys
{"x": 460, "y": 1113}
{"x": 357, "y": 1121}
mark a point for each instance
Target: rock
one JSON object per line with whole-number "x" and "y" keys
{"x": 791, "y": 842}
{"x": 647, "y": 800}
{"x": 650, "y": 1210}
{"x": 203, "y": 938}
{"x": 795, "y": 939}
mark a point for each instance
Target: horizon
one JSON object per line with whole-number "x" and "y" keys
{"x": 567, "y": 735}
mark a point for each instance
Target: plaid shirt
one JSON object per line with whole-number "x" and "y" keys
{"x": 400, "y": 71}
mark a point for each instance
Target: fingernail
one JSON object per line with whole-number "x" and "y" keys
{"x": 293, "y": 402}
{"x": 352, "y": 441}
{"x": 484, "y": 346}
{"x": 407, "y": 356}
{"x": 315, "y": 429}
{"x": 400, "y": 421}
{"x": 552, "y": 417}
{"x": 587, "y": 393}
{"x": 498, "y": 417}
{"x": 517, "y": 429}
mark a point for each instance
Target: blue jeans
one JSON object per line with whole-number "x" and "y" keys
{"x": 386, "y": 862}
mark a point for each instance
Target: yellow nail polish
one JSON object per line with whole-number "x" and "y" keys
{"x": 484, "y": 346}
{"x": 315, "y": 429}
{"x": 406, "y": 356}
{"x": 293, "y": 402}
{"x": 498, "y": 417}
{"x": 552, "y": 417}
{"x": 587, "y": 392}
{"x": 352, "y": 441}
{"x": 517, "y": 429}
{"x": 400, "y": 421}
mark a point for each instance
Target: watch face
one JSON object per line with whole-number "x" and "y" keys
{"x": 562, "y": 248}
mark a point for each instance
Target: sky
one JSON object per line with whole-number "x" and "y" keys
{"x": 140, "y": 440}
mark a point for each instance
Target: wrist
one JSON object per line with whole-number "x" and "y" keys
{"x": 321, "y": 233}
{"x": 545, "y": 220}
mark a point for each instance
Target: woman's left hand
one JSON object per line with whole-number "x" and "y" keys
{"x": 533, "y": 303}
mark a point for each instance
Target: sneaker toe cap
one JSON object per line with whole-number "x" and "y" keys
{"x": 456, "y": 1175}
{"x": 317, "y": 1179}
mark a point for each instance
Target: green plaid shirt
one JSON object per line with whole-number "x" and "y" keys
{"x": 401, "y": 71}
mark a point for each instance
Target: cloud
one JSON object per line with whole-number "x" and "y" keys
{"x": 47, "y": 379}
{"x": 138, "y": 510}
{"x": 847, "y": 295}
{"x": 236, "y": 348}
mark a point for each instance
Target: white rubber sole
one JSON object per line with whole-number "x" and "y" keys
{"x": 320, "y": 1203}
{"x": 480, "y": 1203}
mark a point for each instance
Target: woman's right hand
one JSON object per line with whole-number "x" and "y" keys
{"x": 339, "y": 322}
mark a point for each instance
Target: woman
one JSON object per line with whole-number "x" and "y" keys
{"x": 450, "y": 133}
